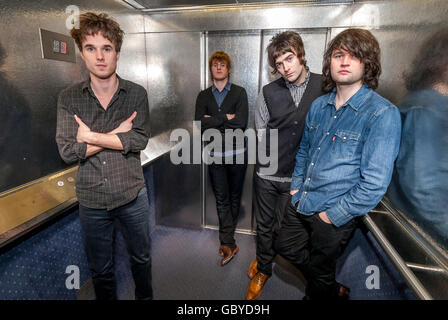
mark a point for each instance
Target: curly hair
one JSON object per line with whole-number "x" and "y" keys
{"x": 430, "y": 66}
{"x": 283, "y": 42}
{"x": 361, "y": 44}
{"x": 91, "y": 24}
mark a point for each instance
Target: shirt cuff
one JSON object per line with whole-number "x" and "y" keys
{"x": 125, "y": 141}
{"x": 80, "y": 150}
{"x": 296, "y": 183}
{"x": 338, "y": 215}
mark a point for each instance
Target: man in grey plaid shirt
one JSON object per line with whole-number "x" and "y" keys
{"x": 102, "y": 123}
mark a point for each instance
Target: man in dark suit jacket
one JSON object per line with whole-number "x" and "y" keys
{"x": 224, "y": 106}
{"x": 282, "y": 106}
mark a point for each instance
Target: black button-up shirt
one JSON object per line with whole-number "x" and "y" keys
{"x": 109, "y": 178}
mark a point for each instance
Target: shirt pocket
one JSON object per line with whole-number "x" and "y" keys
{"x": 312, "y": 128}
{"x": 345, "y": 144}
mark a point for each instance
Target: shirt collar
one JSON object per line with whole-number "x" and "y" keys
{"x": 226, "y": 87}
{"x": 122, "y": 85}
{"x": 355, "y": 102}
{"x": 304, "y": 83}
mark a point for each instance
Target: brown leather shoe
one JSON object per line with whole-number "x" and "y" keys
{"x": 256, "y": 286}
{"x": 221, "y": 253}
{"x": 253, "y": 269}
{"x": 229, "y": 253}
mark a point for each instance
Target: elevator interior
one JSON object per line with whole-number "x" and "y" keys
{"x": 166, "y": 50}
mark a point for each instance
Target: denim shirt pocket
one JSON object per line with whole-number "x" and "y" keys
{"x": 312, "y": 129}
{"x": 344, "y": 144}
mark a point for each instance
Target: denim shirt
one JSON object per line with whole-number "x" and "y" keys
{"x": 346, "y": 157}
{"x": 419, "y": 186}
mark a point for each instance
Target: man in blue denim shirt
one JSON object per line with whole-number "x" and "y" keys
{"x": 344, "y": 164}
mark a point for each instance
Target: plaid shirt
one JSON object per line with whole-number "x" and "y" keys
{"x": 109, "y": 178}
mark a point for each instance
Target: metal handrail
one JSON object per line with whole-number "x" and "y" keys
{"x": 396, "y": 259}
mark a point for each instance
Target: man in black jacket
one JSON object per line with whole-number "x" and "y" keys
{"x": 282, "y": 105}
{"x": 224, "y": 107}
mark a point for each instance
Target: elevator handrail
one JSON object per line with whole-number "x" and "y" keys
{"x": 396, "y": 259}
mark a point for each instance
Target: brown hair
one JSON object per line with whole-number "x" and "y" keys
{"x": 283, "y": 42}
{"x": 361, "y": 44}
{"x": 91, "y": 24}
{"x": 222, "y": 56}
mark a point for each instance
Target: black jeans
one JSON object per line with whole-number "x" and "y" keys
{"x": 271, "y": 199}
{"x": 313, "y": 246}
{"x": 227, "y": 183}
{"x": 98, "y": 230}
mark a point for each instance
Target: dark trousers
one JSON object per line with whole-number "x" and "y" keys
{"x": 227, "y": 183}
{"x": 98, "y": 233}
{"x": 313, "y": 246}
{"x": 271, "y": 198}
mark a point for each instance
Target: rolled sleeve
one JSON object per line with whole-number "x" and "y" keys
{"x": 66, "y": 130}
{"x": 137, "y": 138}
{"x": 133, "y": 141}
{"x": 73, "y": 152}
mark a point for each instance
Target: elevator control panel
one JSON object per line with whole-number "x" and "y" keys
{"x": 57, "y": 46}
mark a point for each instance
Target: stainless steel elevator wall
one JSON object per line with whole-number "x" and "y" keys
{"x": 363, "y": 13}
{"x": 167, "y": 53}
{"x": 174, "y": 78}
{"x": 29, "y": 85}
{"x": 400, "y": 26}
{"x": 243, "y": 48}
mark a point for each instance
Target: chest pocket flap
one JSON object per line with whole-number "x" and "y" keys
{"x": 345, "y": 143}
{"x": 347, "y": 135}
